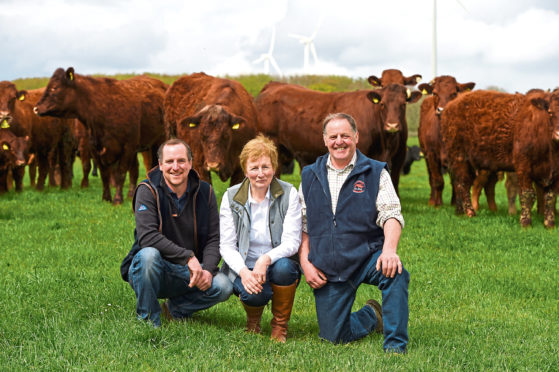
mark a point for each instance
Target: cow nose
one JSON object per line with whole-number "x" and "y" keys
{"x": 213, "y": 166}
{"x": 36, "y": 110}
{"x": 392, "y": 127}
{"x": 19, "y": 163}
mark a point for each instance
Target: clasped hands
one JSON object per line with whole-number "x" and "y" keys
{"x": 253, "y": 280}
{"x": 199, "y": 278}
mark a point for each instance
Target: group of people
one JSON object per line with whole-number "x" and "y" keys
{"x": 340, "y": 229}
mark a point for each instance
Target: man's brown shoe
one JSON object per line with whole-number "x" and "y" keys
{"x": 165, "y": 311}
{"x": 378, "y": 312}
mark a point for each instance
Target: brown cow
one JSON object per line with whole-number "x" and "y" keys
{"x": 443, "y": 89}
{"x": 50, "y": 139}
{"x": 124, "y": 117}
{"x": 292, "y": 115}
{"x": 393, "y": 76}
{"x": 14, "y": 153}
{"x": 498, "y": 131}
{"x": 216, "y": 117}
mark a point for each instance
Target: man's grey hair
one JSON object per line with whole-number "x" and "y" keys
{"x": 336, "y": 116}
{"x": 171, "y": 142}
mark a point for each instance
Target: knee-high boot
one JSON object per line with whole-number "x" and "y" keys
{"x": 254, "y": 314}
{"x": 282, "y": 304}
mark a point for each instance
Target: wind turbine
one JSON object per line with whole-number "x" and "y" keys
{"x": 268, "y": 57}
{"x": 308, "y": 42}
{"x": 434, "y": 55}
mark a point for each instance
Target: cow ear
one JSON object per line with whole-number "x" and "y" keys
{"x": 540, "y": 103}
{"x": 70, "y": 74}
{"x": 412, "y": 80}
{"x": 21, "y": 95}
{"x": 425, "y": 88}
{"x": 190, "y": 122}
{"x": 236, "y": 122}
{"x": 374, "y": 81}
{"x": 374, "y": 97}
{"x": 466, "y": 87}
{"x": 414, "y": 96}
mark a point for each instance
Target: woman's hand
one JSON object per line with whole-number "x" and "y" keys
{"x": 249, "y": 281}
{"x": 260, "y": 268}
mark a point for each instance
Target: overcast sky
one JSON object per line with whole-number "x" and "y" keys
{"x": 511, "y": 44}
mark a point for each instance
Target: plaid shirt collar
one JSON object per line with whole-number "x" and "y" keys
{"x": 349, "y": 167}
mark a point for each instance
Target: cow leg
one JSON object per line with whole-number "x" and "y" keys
{"x": 119, "y": 177}
{"x": 527, "y": 197}
{"x": 479, "y": 183}
{"x": 463, "y": 179}
{"x": 237, "y": 177}
{"x": 52, "y": 157}
{"x": 490, "y": 191}
{"x": 18, "y": 174}
{"x": 65, "y": 161}
{"x": 106, "y": 179}
{"x": 3, "y": 181}
{"x": 540, "y": 200}
{"x": 436, "y": 180}
{"x": 148, "y": 160}
{"x": 33, "y": 170}
{"x": 133, "y": 176}
{"x": 511, "y": 185}
{"x": 549, "y": 199}
{"x": 86, "y": 168}
{"x": 43, "y": 170}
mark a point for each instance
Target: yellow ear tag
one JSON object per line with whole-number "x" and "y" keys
{"x": 22, "y": 97}
{"x": 5, "y": 124}
{"x": 192, "y": 125}
{"x": 408, "y": 93}
{"x": 424, "y": 91}
{"x": 5, "y": 147}
{"x": 71, "y": 76}
{"x": 375, "y": 100}
{"x": 235, "y": 126}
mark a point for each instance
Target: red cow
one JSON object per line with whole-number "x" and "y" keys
{"x": 443, "y": 89}
{"x": 14, "y": 153}
{"x": 293, "y": 115}
{"x": 216, "y": 117}
{"x": 487, "y": 130}
{"x": 393, "y": 76}
{"x": 123, "y": 116}
{"x": 50, "y": 139}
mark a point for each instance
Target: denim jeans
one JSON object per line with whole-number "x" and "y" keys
{"x": 152, "y": 277}
{"x": 339, "y": 325}
{"x": 284, "y": 271}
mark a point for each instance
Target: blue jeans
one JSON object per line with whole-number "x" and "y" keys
{"x": 284, "y": 271}
{"x": 152, "y": 277}
{"x": 339, "y": 325}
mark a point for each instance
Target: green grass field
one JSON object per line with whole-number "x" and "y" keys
{"x": 483, "y": 295}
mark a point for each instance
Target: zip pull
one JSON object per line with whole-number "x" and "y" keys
{"x": 334, "y": 220}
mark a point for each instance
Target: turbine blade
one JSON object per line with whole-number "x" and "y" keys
{"x": 296, "y": 36}
{"x": 267, "y": 66}
{"x": 313, "y": 51}
{"x": 260, "y": 59}
{"x": 273, "y": 42}
{"x": 276, "y": 67}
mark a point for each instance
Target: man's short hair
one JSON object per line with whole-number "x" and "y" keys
{"x": 257, "y": 147}
{"x": 336, "y": 116}
{"x": 171, "y": 142}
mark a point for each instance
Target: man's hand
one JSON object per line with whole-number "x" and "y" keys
{"x": 314, "y": 277}
{"x": 205, "y": 281}
{"x": 195, "y": 272}
{"x": 390, "y": 263}
{"x": 250, "y": 281}
{"x": 260, "y": 267}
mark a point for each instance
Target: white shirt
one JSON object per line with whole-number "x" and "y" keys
{"x": 260, "y": 239}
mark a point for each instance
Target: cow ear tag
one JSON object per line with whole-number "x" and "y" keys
{"x": 71, "y": 76}
{"x": 236, "y": 126}
{"x": 5, "y": 124}
{"x": 22, "y": 97}
{"x": 5, "y": 147}
{"x": 408, "y": 93}
{"x": 375, "y": 100}
{"x": 424, "y": 91}
{"x": 192, "y": 125}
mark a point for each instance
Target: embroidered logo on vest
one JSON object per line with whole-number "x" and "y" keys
{"x": 358, "y": 187}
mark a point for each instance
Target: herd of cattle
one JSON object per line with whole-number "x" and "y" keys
{"x": 475, "y": 135}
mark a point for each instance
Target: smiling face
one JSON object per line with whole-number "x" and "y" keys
{"x": 341, "y": 141}
{"x": 175, "y": 166}
{"x": 260, "y": 173}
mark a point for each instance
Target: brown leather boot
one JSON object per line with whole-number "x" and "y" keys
{"x": 282, "y": 303}
{"x": 254, "y": 314}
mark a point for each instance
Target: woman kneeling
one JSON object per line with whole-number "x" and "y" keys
{"x": 260, "y": 226}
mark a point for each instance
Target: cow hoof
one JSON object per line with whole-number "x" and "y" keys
{"x": 470, "y": 213}
{"x": 549, "y": 224}
{"x": 117, "y": 201}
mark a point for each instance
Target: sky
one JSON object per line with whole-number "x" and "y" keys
{"x": 509, "y": 44}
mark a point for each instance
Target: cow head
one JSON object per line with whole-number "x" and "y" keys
{"x": 554, "y": 114}
{"x": 391, "y": 102}
{"x": 216, "y": 130}
{"x": 393, "y": 76}
{"x": 14, "y": 150}
{"x": 8, "y": 97}
{"x": 59, "y": 95}
{"x": 444, "y": 89}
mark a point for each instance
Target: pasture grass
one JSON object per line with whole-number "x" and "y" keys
{"x": 483, "y": 295}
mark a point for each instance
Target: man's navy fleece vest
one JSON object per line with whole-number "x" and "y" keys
{"x": 340, "y": 244}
